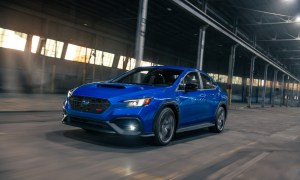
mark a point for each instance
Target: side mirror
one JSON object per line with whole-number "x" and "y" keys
{"x": 191, "y": 87}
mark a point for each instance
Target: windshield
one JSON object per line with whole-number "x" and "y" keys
{"x": 149, "y": 76}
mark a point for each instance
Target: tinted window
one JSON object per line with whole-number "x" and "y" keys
{"x": 149, "y": 76}
{"x": 207, "y": 82}
{"x": 190, "y": 78}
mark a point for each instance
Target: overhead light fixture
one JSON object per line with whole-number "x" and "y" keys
{"x": 169, "y": 9}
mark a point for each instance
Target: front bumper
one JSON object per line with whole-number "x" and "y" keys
{"x": 124, "y": 125}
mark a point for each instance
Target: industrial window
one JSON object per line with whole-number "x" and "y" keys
{"x": 255, "y": 82}
{"x": 268, "y": 83}
{"x": 130, "y": 62}
{"x": 214, "y": 76}
{"x": 146, "y": 63}
{"x": 12, "y": 39}
{"x": 35, "y": 43}
{"x": 107, "y": 59}
{"x": 236, "y": 80}
{"x": 78, "y": 53}
{"x": 223, "y": 78}
{"x": 102, "y": 58}
{"x": 53, "y": 48}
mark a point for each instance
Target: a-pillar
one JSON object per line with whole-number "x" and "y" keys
{"x": 265, "y": 87}
{"x": 274, "y": 86}
{"x": 251, "y": 80}
{"x": 140, "y": 32}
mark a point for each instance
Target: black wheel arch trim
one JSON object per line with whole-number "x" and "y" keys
{"x": 174, "y": 106}
{"x": 222, "y": 103}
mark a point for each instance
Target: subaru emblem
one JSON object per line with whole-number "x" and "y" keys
{"x": 85, "y": 102}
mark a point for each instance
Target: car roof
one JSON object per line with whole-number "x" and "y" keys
{"x": 175, "y": 67}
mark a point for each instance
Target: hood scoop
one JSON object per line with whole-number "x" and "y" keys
{"x": 111, "y": 86}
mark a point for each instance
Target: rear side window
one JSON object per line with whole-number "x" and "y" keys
{"x": 207, "y": 82}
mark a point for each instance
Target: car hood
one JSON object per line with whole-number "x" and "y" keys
{"x": 112, "y": 90}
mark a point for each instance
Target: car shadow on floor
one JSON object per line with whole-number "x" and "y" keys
{"x": 115, "y": 143}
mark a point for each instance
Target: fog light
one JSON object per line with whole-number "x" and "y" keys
{"x": 132, "y": 127}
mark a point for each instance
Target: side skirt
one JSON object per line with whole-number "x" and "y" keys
{"x": 194, "y": 127}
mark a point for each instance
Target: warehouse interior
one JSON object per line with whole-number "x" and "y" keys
{"x": 251, "y": 48}
{"x": 53, "y": 46}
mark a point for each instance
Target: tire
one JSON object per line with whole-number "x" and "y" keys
{"x": 220, "y": 119}
{"x": 164, "y": 127}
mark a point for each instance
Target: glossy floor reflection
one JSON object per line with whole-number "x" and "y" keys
{"x": 256, "y": 144}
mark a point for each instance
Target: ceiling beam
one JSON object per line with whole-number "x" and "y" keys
{"x": 270, "y": 23}
{"x": 287, "y": 50}
{"x": 216, "y": 25}
{"x": 278, "y": 40}
{"x": 290, "y": 58}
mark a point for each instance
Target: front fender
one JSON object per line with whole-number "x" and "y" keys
{"x": 171, "y": 104}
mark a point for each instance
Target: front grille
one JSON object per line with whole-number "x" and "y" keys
{"x": 90, "y": 124}
{"x": 88, "y": 104}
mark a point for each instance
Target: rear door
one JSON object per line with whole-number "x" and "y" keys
{"x": 212, "y": 96}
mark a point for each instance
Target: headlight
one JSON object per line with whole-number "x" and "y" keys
{"x": 138, "y": 102}
{"x": 70, "y": 92}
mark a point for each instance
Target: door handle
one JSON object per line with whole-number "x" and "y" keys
{"x": 202, "y": 95}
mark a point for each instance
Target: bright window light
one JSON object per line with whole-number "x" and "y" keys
{"x": 35, "y": 43}
{"x": 12, "y": 39}
{"x": 102, "y": 58}
{"x": 78, "y": 53}
{"x": 130, "y": 62}
{"x": 108, "y": 59}
{"x": 145, "y": 63}
{"x": 53, "y": 48}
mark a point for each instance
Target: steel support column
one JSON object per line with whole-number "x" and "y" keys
{"x": 201, "y": 40}
{"x": 265, "y": 87}
{"x": 251, "y": 80}
{"x": 201, "y": 44}
{"x": 298, "y": 103}
{"x": 282, "y": 91}
{"x": 293, "y": 95}
{"x": 44, "y": 57}
{"x": 274, "y": 85}
{"x": 140, "y": 32}
{"x": 287, "y": 89}
{"x": 230, "y": 72}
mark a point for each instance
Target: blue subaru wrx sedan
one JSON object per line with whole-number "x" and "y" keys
{"x": 145, "y": 101}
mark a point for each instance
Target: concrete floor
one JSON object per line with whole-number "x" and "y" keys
{"x": 256, "y": 144}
